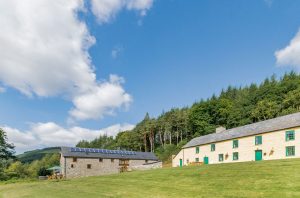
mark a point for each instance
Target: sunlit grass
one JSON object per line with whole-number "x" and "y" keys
{"x": 279, "y": 178}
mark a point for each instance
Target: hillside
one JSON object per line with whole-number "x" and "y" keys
{"x": 37, "y": 154}
{"x": 279, "y": 178}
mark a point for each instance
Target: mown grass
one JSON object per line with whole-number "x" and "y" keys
{"x": 280, "y": 178}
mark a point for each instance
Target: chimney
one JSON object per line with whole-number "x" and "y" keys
{"x": 220, "y": 129}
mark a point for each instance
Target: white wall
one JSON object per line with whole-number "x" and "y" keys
{"x": 270, "y": 141}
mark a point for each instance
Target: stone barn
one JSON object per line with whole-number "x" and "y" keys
{"x": 81, "y": 162}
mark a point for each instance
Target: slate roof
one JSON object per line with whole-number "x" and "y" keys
{"x": 66, "y": 152}
{"x": 275, "y": 124}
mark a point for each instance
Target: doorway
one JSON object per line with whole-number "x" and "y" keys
{"x": 258, "y": 155}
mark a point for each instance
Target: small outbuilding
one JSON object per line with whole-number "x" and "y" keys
{"x": 81, "y": 162}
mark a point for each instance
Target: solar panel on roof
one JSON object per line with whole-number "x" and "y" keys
{"x": 104, "y": 151}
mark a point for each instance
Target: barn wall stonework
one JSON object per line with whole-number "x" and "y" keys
{"x": 71, "y": 169}
{"x": 80, "y": 167}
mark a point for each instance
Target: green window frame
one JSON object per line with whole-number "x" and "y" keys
{"x": 196, "y": 159}
{"x": 258, "y": 140}
{"x": 290, "y": 151}
{"x": 197, "y": 149}
{"x": 235, "y": 143}
{"x": 235, "y": 156}
{"x": 212, "y": 147}
{"x": 221, "y": 157}
{"x": 289, "y": 135}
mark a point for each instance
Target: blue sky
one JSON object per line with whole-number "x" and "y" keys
{"x": 161, "y": 53}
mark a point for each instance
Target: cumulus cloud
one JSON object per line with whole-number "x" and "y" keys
{"x": 44, "y": 47}
{"x": 41, "y": 135}
{"x": 2, "y": 89}
{"x": 101, "y": 100}
{"x": 106, "y": 10}
{"x": 44, "y": 52}
{"x": 290, "y": 55}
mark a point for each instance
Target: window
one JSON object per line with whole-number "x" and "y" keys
{"x": 290, "y": 151}
{"x": 258, "y": 140}
{"x": 235, "y": 156}
{"x": 235, "y": 143}
{"x": 289, "y": 135}
{"x": 197, "y": 159}
{"x": 112, "y": 160}
{"x": 100, "y": 160}
{"x": 212, "y": 147}
{"x": 89, "y": 166}
{"x": 74, "y": 159}
{"x": 221, "y": 157}
{"x": 197, "y": 149}
{"x": 72, "y": 165}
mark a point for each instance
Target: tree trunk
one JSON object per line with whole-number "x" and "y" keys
{"x": 165, "y": 135}
{"x": 160, "y": 138}
{"x": 180, "y": 136}
{"x": 145, "y": 142}
{"x": 151, "y": 142}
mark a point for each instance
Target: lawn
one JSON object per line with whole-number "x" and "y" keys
{"x": 252, "y": 179}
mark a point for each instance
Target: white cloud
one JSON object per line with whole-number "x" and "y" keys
{"x": 290, "y": 55}
{"x": 44, "y": 52}
{"x": 41, "y": 135}
{"x": 101, "y": 100}
{"x": 44, "y": 47}
{"x": 106, "y": 10}
{"x": 116, "y": 51}
{"x": 2, "y": 89}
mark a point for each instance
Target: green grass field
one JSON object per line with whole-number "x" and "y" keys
{"x": 253, "y": 179}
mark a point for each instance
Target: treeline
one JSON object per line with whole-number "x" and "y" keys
{"x": 12, "y": 168}
{"x": 19, "y": 170}
{"x": 234, "y": 106}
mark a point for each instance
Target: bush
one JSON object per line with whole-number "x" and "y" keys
{"x": 43, "y": 172}
{"x": 165, "y": 153}
{"x": 17, "y": 170}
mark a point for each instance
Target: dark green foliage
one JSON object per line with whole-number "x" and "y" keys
{"x": 32, "y": 170}
{"x": 43, "y": 172}
{"x": 165, "y": 153}
{"x": 103, "y": 141}
{"x": 6, "y": 154}
{"x": 6, "y": 149}
{"x": 233, "y": 107}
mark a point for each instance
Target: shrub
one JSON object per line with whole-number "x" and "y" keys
{"x": 44, "y": 172}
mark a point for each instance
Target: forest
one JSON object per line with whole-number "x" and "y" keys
{"x": 232, "y": 107}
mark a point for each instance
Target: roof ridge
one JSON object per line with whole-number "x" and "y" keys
{"x": 252, "y": 127}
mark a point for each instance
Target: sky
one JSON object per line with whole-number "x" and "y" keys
{"x": 72, "y": 70}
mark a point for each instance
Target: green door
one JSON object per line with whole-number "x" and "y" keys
{"x": 180, "y": 162}
{"x": 258, "y": 155}
{"x": 206, "y": 161}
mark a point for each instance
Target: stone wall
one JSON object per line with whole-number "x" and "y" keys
{"x": 79, "y": 168}
{"x": 148, "y": 166}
